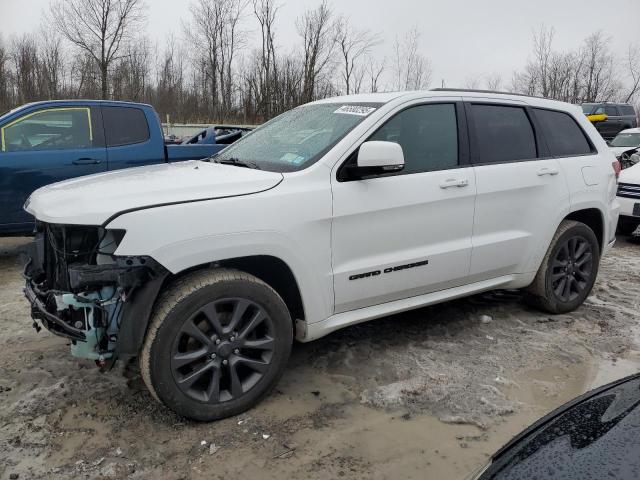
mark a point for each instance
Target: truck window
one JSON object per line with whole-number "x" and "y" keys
{"x": 124, "y": 126}
{"x": 50, "y": 129}
{"x": 563, "y": 135}
{"x": 428, "y": 135}
{"x": 611, "y": 111}
{"x": 503, "y": 133}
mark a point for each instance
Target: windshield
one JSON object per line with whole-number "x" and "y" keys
{"x": 297, "y": 138}
{"x": 588, "y": 108}
{"x": 626, "y": 140}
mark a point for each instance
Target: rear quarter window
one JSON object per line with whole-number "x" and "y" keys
{"x": 562, "y": 133}
{"x": 628, "y": 110}
{"x": 124, "y": 126}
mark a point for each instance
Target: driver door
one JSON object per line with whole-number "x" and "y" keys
{"x": 44, "y": 146}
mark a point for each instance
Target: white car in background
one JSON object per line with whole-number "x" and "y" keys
{"x": 629, "y": 198}
{"x": 625, "y": 144}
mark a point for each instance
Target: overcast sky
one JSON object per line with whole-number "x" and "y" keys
{"x": 463, "y": 38}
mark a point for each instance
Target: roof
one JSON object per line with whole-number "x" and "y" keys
{"x": 387, "y": 97}
{"x": 630, "y": 130}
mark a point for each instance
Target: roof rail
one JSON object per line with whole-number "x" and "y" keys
{"x": 473, "y": 90}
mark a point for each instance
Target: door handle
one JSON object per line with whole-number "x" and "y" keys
{"x": 548, "y": 171}
{"x": 86, "y": 161}
{"x": 454, "y": 182}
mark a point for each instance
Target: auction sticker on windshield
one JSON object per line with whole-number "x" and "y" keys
{"x": 355, "y": 110}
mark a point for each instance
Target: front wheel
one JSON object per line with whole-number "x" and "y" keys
{"x": 219, "y": 340}
{"x": 568, "y": 270}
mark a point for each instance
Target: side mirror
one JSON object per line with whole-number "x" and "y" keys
{"x": 600, "y": 117}
{"x": 380, "y": 157}
{"x": 374, "y": 158}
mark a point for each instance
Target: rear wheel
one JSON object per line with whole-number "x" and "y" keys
{"x": 219, "y": 340}
{"x": 568, "y": 270}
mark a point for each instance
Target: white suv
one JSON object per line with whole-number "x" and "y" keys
{"x": 334, "y": 213}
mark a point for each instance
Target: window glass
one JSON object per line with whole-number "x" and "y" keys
{"x": 297, "y": 138}
{"x": 626, "y": 140}
{"x": 124, "y": 126}
{"x": 562, "y": 134}
{"x": 503, "y": 133}
{"x": 428, "y": 135}
{"x": 52, "y": 129}
{"x": 628, "y": 110}
{"x": 611, "y": 111}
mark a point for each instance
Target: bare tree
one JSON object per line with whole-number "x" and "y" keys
{"x": 412, "y": 69}
{"x": 600, "y": 72}
{"x": 265, "y": 12}
{"x": 375, "y": 69}
{"x": 317, "y": 31}
{"x": 353, "y": 45}
{"x": 99, "y": 28}
{"x": 214, "y": 31}
{"x": 632, "y": 64}
{"x": 493, "y": 82}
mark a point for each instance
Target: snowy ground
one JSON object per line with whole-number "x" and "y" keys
{"x": 429, "y": 393}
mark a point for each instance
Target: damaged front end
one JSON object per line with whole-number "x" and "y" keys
{"x": 80, "y": 290}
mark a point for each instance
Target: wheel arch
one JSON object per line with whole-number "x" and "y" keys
{"x": 270, "y": 269}
{"x": 594, "y": 219}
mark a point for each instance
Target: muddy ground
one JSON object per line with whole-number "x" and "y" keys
{"x": 426, "y": 394}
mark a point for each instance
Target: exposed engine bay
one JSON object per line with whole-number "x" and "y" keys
{"x": 78, "y": 288}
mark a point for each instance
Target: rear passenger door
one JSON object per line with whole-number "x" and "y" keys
{"x": 408, "y": 233}
{"x": 130, "y": 141}
{"x": 521, "y": 190}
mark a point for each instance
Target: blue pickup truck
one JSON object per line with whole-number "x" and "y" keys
{"x": 46, "y": 142}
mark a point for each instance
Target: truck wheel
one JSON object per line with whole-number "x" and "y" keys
{"x": 568, "y": 270}
{"x": 218, "y": 342}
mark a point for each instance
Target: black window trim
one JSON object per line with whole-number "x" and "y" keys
{"x": 594, "y": 150}
{"x": 542, "y": 151}
{"x": 463, "y": 142}
{"x": 148, "y": 139}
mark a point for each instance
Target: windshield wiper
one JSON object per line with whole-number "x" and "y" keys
{"x": 237, "y": 162}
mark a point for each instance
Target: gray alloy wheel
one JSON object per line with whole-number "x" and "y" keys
{"x": 222, "y": 350}
{"x": 568, "y": 271}
{"x": 218, "y": 342}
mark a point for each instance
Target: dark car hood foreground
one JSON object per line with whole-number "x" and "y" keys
{"x": 596, "y": 436}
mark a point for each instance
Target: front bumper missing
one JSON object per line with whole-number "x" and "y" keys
{"x": 51, "y": 322}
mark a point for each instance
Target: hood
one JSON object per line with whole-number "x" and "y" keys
{"x": 93, "y": 199}
{"x": 620, "y": 150}
{"x": 630, "y": 175}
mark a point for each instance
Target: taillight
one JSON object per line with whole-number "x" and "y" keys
{"x": 616, "y": 168}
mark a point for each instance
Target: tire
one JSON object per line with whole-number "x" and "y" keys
{"x": 548, "y": 292}
{"x": 216, "y": 327}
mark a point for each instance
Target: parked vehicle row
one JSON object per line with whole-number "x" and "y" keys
{"x": 46, "y": 142}
{"x": 334, "y": 213}
{"x": 611, "y": 118}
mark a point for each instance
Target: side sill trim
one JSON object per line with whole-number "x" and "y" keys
{"x": 335, "y": 322}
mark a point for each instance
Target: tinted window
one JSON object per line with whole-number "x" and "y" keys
{"x": 428, "y": 135}
{"x": 562, "y": 134}
{"x": 52, "y": 129}
{"x": 503, "y": 134}
{"x": 611, "y": 111}
{"x": 628, "y": 110}
{"x": 124, "y": 126}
